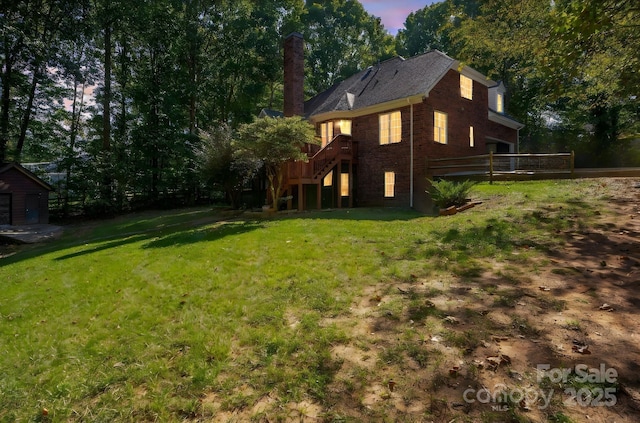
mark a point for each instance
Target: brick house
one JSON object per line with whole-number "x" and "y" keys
{"x": 24, "y": 198}
{"x": 380, "y": 126}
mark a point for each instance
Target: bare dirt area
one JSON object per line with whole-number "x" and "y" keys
{"x": 556, "y": 340}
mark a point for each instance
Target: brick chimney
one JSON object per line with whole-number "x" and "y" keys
{"x": 294, "y": 75}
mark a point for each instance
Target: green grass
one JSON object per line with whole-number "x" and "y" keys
{"x": 139, "y": 318}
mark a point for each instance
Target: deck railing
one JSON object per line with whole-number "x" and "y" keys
{"x": 340, "y": 145}
{"x": 503, "y": 165}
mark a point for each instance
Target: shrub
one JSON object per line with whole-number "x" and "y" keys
{"x": 445, "y": 193}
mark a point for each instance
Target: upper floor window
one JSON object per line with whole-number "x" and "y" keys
{"x": 499, "y": 103}
{"x": 440, "y": 127}
{"x": 390, "y": 127}
{"x": 343, "y": 127}
{"x": 466, "y": 87}
{"x": 472, "y": 141}
{"x": 328, "y": 130}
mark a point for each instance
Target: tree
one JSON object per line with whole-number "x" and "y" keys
{"x": 272, "y": 142}
{"x": 342, "y": 38}
{"x": 592, "y": 54}
{"x": 221, "y": 167}
{"x": 431, "y": 28}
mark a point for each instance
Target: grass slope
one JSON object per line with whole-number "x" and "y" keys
{"x": 144, "y": 317}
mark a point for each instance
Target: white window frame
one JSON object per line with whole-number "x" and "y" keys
{"x": 390, "y": 125}
{"x": 466, "y": 87}
{"x": 440, "y": 123}
{"x": 389, "y": 184}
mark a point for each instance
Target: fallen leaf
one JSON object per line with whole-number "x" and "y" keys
{"x": 544, "y": 288}
{"x": 451, "y": 319}
{"x": 454, "y": 371}
{"x": 498, "y": 360}
{"x": 497, "y": 339}
{"x": 606, "y": 307}
{"x": 581, "y": 349}
{"x": 524, "y": 406}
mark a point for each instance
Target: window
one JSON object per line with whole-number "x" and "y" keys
{"x": 466, "y": 87}
{"x": 326, "y": 133}
{"x": 499, "y": 103}
{"x": 440, "y": 127}
{"x": 344, "y": 184}
{"x": 328, "y": 180}
{"x": 328, "y": 130}
{"x": 343, "y": 127}
{"x": 472, "y": 142}
{"x": 389, "y": 184}
{"x": 390, "y": 127}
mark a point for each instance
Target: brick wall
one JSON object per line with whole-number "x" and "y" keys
{"x": 375, "y": 159}
{"x": 503, "y": 133}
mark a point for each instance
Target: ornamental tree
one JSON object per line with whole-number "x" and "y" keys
{"x": 273, "y": 142}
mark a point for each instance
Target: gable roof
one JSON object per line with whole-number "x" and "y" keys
{"x": 393, "y": 79}
{"x": 270, "y": 113}
{"x": 5, "y": 167}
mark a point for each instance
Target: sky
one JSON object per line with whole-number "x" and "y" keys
{"x": 394, "y": 13}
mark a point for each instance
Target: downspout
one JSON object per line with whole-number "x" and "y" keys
{"x": 411, "y": 158}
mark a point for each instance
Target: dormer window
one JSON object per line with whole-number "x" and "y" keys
{"x": 499, "y": 103}
{"x": 466, "y": 87}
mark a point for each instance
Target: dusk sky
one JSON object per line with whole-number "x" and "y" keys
{"x": 394, "y": 13}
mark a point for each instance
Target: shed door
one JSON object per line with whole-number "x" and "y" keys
{"x": 32, "y": 209}
{"x": 5, "y": 209}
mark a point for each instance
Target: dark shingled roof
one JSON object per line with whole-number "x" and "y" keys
{"x": 390, "y": 80}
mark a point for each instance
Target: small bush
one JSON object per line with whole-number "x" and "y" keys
{"x": 446, "y": 193}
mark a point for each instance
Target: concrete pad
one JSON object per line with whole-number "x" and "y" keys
{"x": 29, "y": 234}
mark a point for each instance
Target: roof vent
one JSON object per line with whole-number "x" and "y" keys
{"x": 367, "y": 73}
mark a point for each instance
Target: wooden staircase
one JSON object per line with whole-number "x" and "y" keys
{"x": 342, "y": 147}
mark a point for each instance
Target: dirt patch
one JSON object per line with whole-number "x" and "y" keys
{"x": 543, "y": 345}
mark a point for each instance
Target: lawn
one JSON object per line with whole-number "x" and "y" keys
{"x": 207, "y": 315}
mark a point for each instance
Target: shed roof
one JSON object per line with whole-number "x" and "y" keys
{"x": 5, "y": 167}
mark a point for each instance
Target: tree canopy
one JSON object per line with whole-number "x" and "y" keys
{"x": 272, "y": 142}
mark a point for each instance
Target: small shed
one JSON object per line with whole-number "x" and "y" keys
{"x": 24, "y": 198}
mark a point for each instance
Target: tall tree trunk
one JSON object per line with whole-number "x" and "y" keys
{"x": 26, "y": 117}
{"x": 106, "y": 115}
{"x": 106, "y": 102}
{"x": 6, "y": 104}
